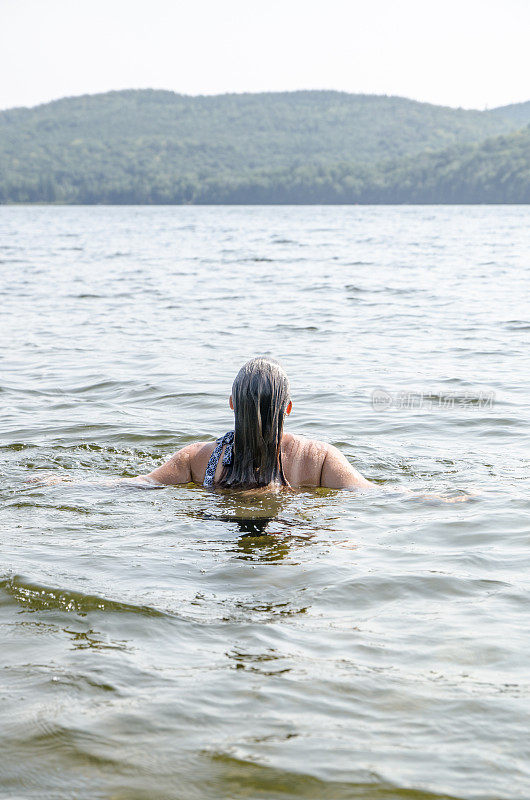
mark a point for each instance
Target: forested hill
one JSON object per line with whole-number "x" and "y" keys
{"x": 494, "y": 171}
{"x": 151, "y": 146}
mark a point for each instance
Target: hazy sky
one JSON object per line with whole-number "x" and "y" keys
{"x": 470, "y": 53}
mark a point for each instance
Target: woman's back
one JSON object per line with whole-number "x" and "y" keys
{"x": 306, "y": 462}
{"x": 257, "y": 454}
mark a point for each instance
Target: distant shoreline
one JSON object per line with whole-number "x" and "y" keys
{"x": 147, "y": 147}
{"x": 249, "y": 205}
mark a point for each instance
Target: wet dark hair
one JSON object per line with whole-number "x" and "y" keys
{"x": 260, "y": 394}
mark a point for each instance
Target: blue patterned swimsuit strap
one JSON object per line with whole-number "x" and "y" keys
{"x": 228, "y": 440}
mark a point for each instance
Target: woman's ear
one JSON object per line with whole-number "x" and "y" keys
{"x": 231, "y": 403}
{"x": 289, "y": 407}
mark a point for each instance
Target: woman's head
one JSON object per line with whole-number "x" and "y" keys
{"x": 260, "y": 399}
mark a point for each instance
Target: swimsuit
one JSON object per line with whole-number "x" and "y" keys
{"x": 228, "y": 440}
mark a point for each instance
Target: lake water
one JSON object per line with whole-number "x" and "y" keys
{"x": 183, "y": 645}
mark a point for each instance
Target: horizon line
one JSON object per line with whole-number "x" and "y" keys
{"x": 266, "y": 92}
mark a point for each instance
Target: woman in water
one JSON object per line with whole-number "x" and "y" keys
{"x": 257, "y": 454}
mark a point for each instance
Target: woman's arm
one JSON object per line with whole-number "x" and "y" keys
{"x": 338, "y": 473}
{"x": 177, "y": 470}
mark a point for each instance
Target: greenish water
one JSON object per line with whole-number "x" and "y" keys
{"x": 185, "y": 645}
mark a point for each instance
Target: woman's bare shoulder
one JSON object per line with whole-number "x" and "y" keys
{"x": 321, "y": 464}
{"x": 303, "y": 459}
{"x": 195, "y": 451}
{"x": 304, "y": 446}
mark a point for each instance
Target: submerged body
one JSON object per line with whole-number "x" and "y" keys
{"x": 305, "y": 462}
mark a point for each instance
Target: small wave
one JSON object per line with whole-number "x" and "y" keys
{"x": 235, "y": 769}
{"x": 90, "y": 296}
{"x": 394, "y": 290}
{"x": 16, "y": 446}
{"x": 378, "y": 589}
{"x": 286, "y": 327}
{"x": 350, "y": 287}
{"x": 359, "y": 264}
{"x": 118, "y": 254}
{"x": 37, "y": 597}
{"x": 20, "y": 504}
{"x": 517, "y": 325}
{"x": 316, "y": 287}
{"x": 98, "y": 386}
